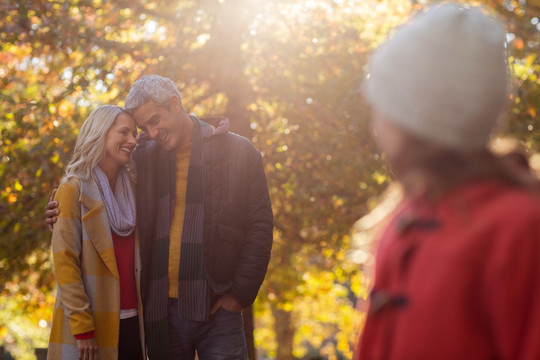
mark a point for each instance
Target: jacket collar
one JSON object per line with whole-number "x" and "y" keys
{"x": 96, "y": 223}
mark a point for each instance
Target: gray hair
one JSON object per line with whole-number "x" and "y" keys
{"x": 156, "y": 88}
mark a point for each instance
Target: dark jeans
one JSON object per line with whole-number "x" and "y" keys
{"x": 220, "y": 338}
{"x": 129, "y": 342}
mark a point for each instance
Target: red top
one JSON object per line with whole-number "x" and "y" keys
{"x": 124, "y": 249}
{"x": 84, "y": 336}
{"x": 459, "y": 279}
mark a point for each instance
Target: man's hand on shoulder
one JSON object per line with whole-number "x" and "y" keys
{"x": 51, "y": 212}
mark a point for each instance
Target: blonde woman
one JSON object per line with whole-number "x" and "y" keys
{"x": 97, "y": 314}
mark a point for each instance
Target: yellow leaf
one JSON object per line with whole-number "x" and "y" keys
{"x": 288, "y": 306}
{"x": 518, "y": 44}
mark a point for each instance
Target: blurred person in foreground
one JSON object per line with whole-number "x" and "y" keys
{"x": 458, "y": 266}
{"x": 95, "y": 249}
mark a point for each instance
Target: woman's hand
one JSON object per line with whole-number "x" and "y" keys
{"x": 88, "y": 349}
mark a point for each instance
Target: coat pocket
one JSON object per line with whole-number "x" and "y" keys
{"x": 231, "y": 234}
{"x": 228, "y": 251}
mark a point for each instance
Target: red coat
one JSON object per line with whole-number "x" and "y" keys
{"x": 459, "y": 279}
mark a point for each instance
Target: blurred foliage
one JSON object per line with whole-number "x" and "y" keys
{"x": 24, "y": 314}
{"x": 287, "y": 74}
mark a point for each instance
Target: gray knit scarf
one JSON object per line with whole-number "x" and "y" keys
{"x": 120, "y": 205}
{"x": 156, "y": 190}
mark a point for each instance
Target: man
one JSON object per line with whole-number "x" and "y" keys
{"x": 205, "y": 226}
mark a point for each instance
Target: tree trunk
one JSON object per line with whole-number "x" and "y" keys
{"x": 229, "y": 78}
{"x": 248, "y": 330}
{"x": 284, "y": 333}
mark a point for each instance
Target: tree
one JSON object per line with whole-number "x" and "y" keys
{"x": 286, "y": 72}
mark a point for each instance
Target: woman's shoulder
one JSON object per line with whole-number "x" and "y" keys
{"x": 520, "y": 196}
{"x": 513, "y": 203}
{"x": 69, "y": 188}
{"x": 70, "y": 181}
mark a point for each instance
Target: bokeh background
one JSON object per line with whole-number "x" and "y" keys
{"x": 287, "y": 74}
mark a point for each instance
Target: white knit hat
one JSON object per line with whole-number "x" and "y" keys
{"x": 442, "y": 77}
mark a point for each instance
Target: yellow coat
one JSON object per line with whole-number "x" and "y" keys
{"x": 88, "y": 293}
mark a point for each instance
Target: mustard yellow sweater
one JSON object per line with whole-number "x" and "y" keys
{"x": 177, "y": 223}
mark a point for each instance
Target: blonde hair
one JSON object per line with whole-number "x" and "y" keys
{"x": 90, "y": 146}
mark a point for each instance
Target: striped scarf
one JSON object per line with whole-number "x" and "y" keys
{"x": 156, "y": 187}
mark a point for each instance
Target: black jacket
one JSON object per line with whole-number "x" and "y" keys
{"x": 238, "y": 220}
